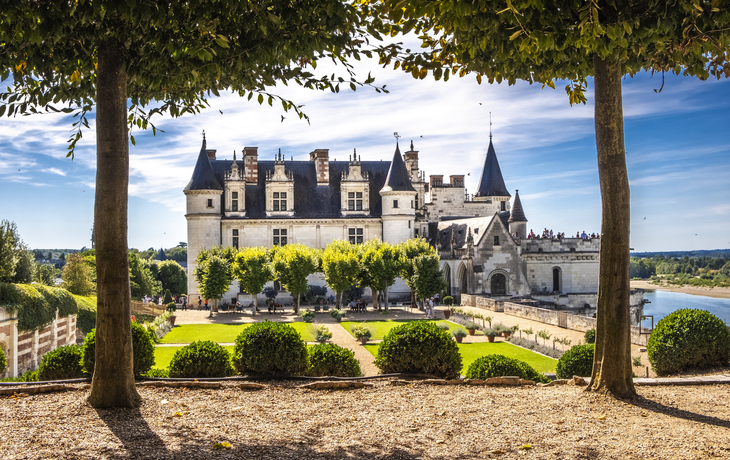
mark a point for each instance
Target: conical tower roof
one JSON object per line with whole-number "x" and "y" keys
{"x": 161, "y": 255}
{"x": 203, "y": 174}
{"x": 491, "y": 183}
{"x": 398, "y": 179}
{"x": 518, "y": 215}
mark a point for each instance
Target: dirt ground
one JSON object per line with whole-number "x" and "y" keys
{"x": 395, "y": 422}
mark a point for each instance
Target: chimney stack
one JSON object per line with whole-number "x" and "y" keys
{"x": 321, "y": 158}
{"x": 251, "y": 164}
{"x": 211, "y": 154}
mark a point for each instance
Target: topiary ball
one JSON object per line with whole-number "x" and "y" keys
{"x": 576, "y": 361}
{"x": 270, "y": 348}
{"x": 590, "y": 336}
{"x": 500, "y": 366}
{"x": 201, "y": 359}
{"x": 3, "y": 362}
{"x": 61, "y": 364}
{"x": 419, "y": 347}
{"x": 328, "y": 359}
{"x": 688, "y": 339}
{"x": 143, "y": 349}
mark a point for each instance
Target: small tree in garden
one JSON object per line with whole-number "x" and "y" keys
{"x": 544, "y": 335}
{"x": 341, "y": 267}
{"x": 409, "y": 251}
{"x": 213, "y": 274}
{"x": 528, "y": 332}
{"x": 428, "y": 279}
{"x": 172, "y": 276}
{"x": 382, "y": 262}
{"x": 292, "y": 264}
{"x": 77, "y": 276}
{"x": 251, "y": 268}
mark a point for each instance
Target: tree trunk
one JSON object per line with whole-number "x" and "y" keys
{"x": 112, "y": 384}
{"x": 612, "y": 360}
{"x": 338, "y": 299}
{"x": 296, "y": 304}
{"x": 376, "y": 303}
{"x": 255, "y": 303}
{"x": 385, "y": 298}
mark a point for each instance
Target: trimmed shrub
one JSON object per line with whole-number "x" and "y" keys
{"x": 501, "y": 366}
{"x": 269, "y": 348}
{"x": 448, "y": 301}
{"x": 590, "y": 336}
{"x": 419, "y": 347}
{"x": 86, "y": 321}
{"x": 171, "y": 307}
{"x": 459, "y": 332}
{"x": 337, "y": 314}
{"x": 307, "y": 315}
{"x": 61, "y": 364}
{"x": 323, "y": 334}
{"x": 444, "y": 326}
{"x": 3, "y": 361}
{"x": 168, "y": 297}
{"x": 156, "y": 373}
{"x": 328, "y": 359}
{"x": 688, "y": 339}
{"x": 201, "y": 359}
{"x": 143, "y": 349}
{"x": 576, "y": 361}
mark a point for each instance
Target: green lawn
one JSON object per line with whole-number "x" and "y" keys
{"x": 223, "y": 333}
{"x": 380, "y": 328}
{"x": 471, "y": 351}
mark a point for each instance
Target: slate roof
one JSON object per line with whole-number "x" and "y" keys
{"x": 311, "y": 201}
{"x": 204, "y": 178}
{"x": 491, "y": 183}
{"x": 518, "y": 215}
{"x": 398, "y": 178}
{"x": 161, "y": 255}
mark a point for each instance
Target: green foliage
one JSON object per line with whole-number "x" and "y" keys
{"x": 322, "y": 333}
{"x": 77, "y": 276}
{"x": 636, "y": 361}
{"x": 16, "y": 261}
{"x": 444, "y": 326}
{"x": 428, "y": 279}
{"x": 157, "y": 373}
{"x": 337, "y": 314}
{"x": 143, "y": 349}
{"x": 459, "y": 332}
{"x": 167, "y": 300}
{"x": 590, "y": 336}
{"x": 86, "y": 319}
{"x": 448, "y": 301}
{"x": 171, "y": 307}
{"x": 252, "y": 270}
{"x": 688, "y": 338}
{"x": 576, "y": 361}
{"x": 44, "y": 274}
{"x": 292, "y": 265}
{"x": 381, "y": 262}
{"x": 501, "y": 366}
{"x": 307, "y": 315}
{"x": 178, "y": 254}
{"x": 142, "y": 280}
{"x": 360, "y": 331}
{"x": 471, "y": 325}
{"x": 328, "y": 359}
{"x": 419, "y": 347}
{"x": 61, "y": 364}
{"x": 270, "y": 348}
{"x": 491, "y": 332}
{"x": 36, "y": 305}
{"x": 340, "y": 265}
{"x": 213, "y": 274}
{"x": 3, "y": 361}
{"x": 201, "y": 359}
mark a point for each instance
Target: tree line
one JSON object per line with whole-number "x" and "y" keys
{"x": 701, "y": 271}
{"x": 373, "y": 264}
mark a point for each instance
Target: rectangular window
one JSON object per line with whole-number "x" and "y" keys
{"x": 496, "y": 238}
{"x": 276, "y": 195}
{"x": 358, "y": 202}
{"x": 276, "y": 205}
{"x": 234, "y": 195}
{"x": 235, "y": 242}
{"x": 234, "y": 205}
{"x": 355, "y": 235}
{"x": 350, "y": 205}
{"x": 411, "y": 204}
{"x": 350, "y": 194}
{"x": 235, "y": 232}
{"x": 283, "y": 205}
{"x": 210, "y": 203}
{"x": 503, "y": 205}
{"x": 280, "y": 237}
{"x": 395, "y": 203}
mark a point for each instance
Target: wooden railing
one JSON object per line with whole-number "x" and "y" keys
{"x": 147, "y": 308}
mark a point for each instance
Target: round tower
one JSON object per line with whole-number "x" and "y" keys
{"x": 398, "y": 200}
{"x": 203, "y": 200}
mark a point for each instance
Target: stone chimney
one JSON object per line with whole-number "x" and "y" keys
{"x": 251, "y": 164}
{"x": 436, "y": 181}
{"x": 321, "y": 158}
{"x": 457, "y": 181}
{"x": 211, "y": 154}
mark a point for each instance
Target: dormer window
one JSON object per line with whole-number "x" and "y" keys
{"x": 279, "y": 203}
{"x": 354, "y": 201}
{"x": 234, "y": 201}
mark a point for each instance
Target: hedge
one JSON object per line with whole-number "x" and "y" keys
{"x": 86, "y": 320}
{"x": 576, "y": 361}
{"x": 143, "y": 350}
{"x": 270, "y": 348}
{"x": 36, "y": 305}
{"x": 201, "y": 359}
{"x": 500, "y": 366}
{"x": 329, "y": 359}
{"x": 61, "y": 364}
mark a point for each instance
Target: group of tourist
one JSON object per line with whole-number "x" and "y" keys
{"x": 428, "y": 307}
{"x": 549, "y": 235}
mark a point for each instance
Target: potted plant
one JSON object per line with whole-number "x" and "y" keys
{"x": 171, "y": 307}
{"x": 491, "y": 334}
{"x": 307, "y": 315}
{"x": 323, "y": 334}
{"x": 317, "y": 307}
{"x": 448, "y": 301}
{"x": 361, "y": 333}
{"x": 447, "y": 313}
{"x": 471, "y": 327}
{"x": 459, "y": 334}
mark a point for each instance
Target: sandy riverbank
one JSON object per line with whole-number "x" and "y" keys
{"x": 717, "y": 292}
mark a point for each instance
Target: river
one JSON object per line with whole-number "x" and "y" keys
{"x": 664, "y": 302}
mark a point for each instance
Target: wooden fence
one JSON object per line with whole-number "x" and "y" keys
{"x": 147, "y": 308}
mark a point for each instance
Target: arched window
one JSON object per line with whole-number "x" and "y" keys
{"x": 499, "y": 284}
{"x": 557, "y": 281}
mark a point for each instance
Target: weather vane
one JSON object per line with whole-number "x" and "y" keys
{"x": 396, "y": 135}
{"x": 490, "y": 125}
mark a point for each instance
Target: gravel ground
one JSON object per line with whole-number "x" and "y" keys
{"x": 394, "y": 422}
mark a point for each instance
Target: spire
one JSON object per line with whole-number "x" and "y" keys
{"x": 397, "y": 179}
{"x": 518, "y": 215}
{"x": 161, "y": 255}
{"x": 491, "y": 183}
{"x": 411, "y": 145}
{"x": 203, "y": 174}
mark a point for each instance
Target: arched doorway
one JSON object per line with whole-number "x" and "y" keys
{"x": 447, "y": 277}
{"x": 498, "y": 284}
{"x": 557, "y": 280}
{"x": 463, "y": 280}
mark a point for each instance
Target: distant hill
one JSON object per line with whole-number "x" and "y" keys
{"x": 714, "y": 253}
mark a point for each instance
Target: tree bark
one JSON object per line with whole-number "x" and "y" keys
{"x": 113, "y": 382}
{"x": 612, "y": 359}
{"x": 385, "y": 299}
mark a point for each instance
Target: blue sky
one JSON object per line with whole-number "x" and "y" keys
{"x": 676, "y": 142}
